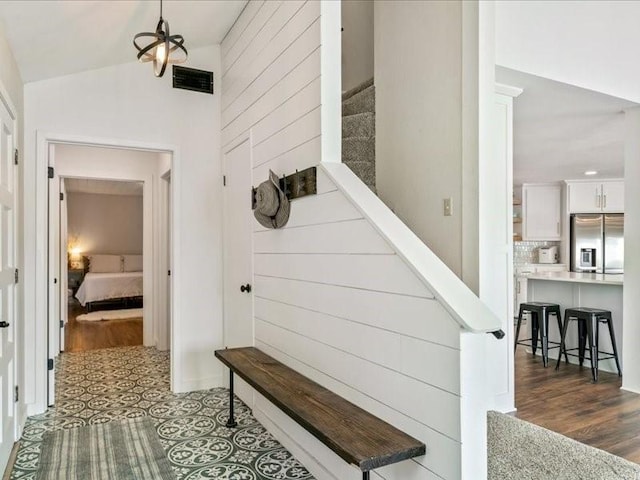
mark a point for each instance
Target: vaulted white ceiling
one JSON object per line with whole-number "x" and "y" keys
{"x": 54, "y": 38}
{"x": 560, "y": 131}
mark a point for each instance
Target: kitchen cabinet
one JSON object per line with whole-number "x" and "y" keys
{"x": 541, "y": 211}
{"x": 595, "y": 197}
{"x": 613, "y": 197}
{"x": 520, "y": 282}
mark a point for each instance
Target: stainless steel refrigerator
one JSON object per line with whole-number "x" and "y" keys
{"x": 597, "y": 243}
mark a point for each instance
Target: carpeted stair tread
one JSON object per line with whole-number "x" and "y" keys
{"x": 359, "y": 125}
{"x": 360, "y": 149}
{"x": 350, "y": 93}
{"x": 364, "y": 101}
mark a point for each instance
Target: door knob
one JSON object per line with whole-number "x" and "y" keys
{"x": 4, "y": 324}
{"x": 246, "y": 288}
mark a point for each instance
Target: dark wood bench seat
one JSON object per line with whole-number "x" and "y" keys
{"x": 355, "y": 435}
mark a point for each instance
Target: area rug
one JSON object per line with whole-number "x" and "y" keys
{"x": 127, "y": 450}
{"x": 521, "y": 450}
{"x": 110, "y": 315}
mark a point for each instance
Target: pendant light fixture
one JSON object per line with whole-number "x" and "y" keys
{"x": 163, "y": 49}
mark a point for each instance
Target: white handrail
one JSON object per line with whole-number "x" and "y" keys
{"x": 463, "y": 305}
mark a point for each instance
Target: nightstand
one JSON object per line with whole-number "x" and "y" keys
{"x": 75, "y": 277}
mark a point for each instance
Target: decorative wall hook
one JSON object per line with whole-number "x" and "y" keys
{"x": 299, "y": 184}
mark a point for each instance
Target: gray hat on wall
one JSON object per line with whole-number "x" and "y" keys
{"x": 272, "y": 205}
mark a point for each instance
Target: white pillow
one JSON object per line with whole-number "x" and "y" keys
{"x": 105, "y": 263}
{"x": 132, "y": 263}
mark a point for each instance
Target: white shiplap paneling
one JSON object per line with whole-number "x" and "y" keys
{"x": 238, "y": 28}
{"x": 303, "y": 74}
{"x": 269, "y": 29}
{"x": 338, "y": 237}
{"x": 303, "y": 102}
{"x": 405, "y": 355}
{"x": 380, "y": 273}
{"x": 443, "y": 453}
{"x": 251, "y": 34}
{"x": 333, "y": 300}
{"x": 421, "y": 318}
{"x": 290, "y": 46}
{"x": 304, "y": 129}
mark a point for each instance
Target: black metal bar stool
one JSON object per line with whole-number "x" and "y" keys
{"x": 589, "y": 320}
{"x": 540, "y": 312}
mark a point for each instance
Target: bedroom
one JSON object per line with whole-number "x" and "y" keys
{"x": 104, "y": 245}
{"x": 109, "y": 221}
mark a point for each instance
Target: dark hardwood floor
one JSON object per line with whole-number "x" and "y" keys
{"x": 82, "y": 336}
{"x": 565, "y": 401}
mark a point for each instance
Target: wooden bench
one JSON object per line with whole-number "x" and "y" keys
{"x": 355, "y": 435}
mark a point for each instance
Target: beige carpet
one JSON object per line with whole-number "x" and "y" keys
{"x": 110, "y": 315}
{"x": 519, "y": 450}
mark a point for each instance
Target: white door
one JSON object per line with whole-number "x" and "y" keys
{"x": 8, "y": 194}
{"x": 54, "y": 315}
{"x": 238, "y": 247}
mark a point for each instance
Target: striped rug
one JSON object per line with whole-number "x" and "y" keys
{"x": 128, "y": 450}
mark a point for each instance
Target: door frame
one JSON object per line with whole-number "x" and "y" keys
{"x": 163, "y": 288}
{"x": 18, "y": 362}
{"x": 38, "y": 329}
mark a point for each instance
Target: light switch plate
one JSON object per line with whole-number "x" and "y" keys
{"x": 447, "y": 207}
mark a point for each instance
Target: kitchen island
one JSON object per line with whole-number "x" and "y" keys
{"x": 571, "y": 289}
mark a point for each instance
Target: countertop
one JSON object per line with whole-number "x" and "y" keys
{"x": 601, "y": 278}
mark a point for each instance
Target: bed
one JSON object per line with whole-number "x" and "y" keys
{"x": 109, "y": 283}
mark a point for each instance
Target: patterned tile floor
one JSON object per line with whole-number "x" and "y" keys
{"x": 112, "y": 384}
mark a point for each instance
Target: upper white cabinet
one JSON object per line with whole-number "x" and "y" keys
{"x": 613, "y": 196}
{"x": 541, "y": 211}
{"x": 595, "y": 197}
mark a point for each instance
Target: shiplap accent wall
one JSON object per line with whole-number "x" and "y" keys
{"x": 333, "y": 299}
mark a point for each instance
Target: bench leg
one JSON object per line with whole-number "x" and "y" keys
{"x": 231, "y": 423}
{"x": 365, "y": 475}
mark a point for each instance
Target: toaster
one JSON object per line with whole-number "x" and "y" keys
{"x": 548, "y": 254}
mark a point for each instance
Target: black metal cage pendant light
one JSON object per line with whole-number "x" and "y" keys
{"x": 163, "y": 49}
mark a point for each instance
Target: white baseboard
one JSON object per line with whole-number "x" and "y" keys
{"x": 205, "y": 383}
{"x": 632, "y": 390}
{"x": 33, "y": 409}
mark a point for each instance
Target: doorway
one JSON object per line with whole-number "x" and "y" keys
{"x": 101, "y": 260}
{"x": 116, "y": 169}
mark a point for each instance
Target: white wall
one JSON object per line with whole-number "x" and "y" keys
{"x": 357, "y": 42}
{"x": 11, "y": 85}
{"x": 588, "y": 44}
{"x": 333, "y": 300}
{"x": 127, "y": 102}
{"x": 631, "y": 303}
{"x": 591, "y": 45}
{"x": 419, "y": 119}
{"x": 105, "y": 223}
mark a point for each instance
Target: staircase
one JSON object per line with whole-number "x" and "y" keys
{"x": 359, "y": 132}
